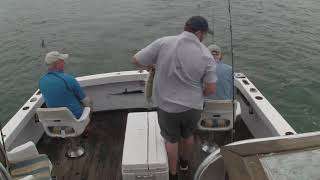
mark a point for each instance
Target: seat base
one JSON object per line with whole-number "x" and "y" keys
{"x": 208, "y": 148}
{"x": 75, "y": 152}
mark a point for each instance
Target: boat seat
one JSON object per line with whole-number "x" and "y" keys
{"x": 217, "y": 115}
{"x": 60, "y": 122}
{"x": 24, "y": 162}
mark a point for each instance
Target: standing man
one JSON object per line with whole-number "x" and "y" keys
{"x": 224, "y": 74}
{"x": 185, "y": 72}
{"x": 60, "y": 89}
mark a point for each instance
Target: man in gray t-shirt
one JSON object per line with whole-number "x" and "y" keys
{"x": 185, "y": 73}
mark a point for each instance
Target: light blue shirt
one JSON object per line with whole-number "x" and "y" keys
{"x": 62, "y": 90}
{"x": 224, "y": 83}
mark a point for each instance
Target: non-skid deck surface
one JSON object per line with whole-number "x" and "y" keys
{"x": 103, "y": 150}
{"x": 103, "y": 146}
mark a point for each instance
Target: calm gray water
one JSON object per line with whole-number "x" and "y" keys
{"x": 276, "y": 43}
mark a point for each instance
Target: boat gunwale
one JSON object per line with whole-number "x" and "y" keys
{"x": 262, "y": 106}
{"x": 265, "y": 110}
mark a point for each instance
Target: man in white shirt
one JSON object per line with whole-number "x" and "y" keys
{"x": 185, "y": 73}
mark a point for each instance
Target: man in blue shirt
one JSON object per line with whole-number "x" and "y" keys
{"x": 224, "y": 74}
{"x": 60, "y": 89}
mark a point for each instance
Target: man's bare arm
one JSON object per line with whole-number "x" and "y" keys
{"x": 135, "y": 61}
{"x": 209, "y": 89}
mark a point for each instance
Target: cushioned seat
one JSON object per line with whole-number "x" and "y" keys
{"x": 38, "y": 167}
{"x": 24, "y": 163}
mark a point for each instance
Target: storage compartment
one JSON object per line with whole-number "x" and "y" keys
{"x": 144, "y": 154}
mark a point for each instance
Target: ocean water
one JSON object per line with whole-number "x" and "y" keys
{"x": 276, "y": 44}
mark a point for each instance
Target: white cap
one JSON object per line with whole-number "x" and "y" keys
{"x": 214, "y": 47}
{"x": 54, "y": 56}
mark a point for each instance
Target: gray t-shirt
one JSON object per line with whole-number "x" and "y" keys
{"x": 183, "y": 64}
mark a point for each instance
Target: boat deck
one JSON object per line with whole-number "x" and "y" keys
{"x": 102, "y": 160}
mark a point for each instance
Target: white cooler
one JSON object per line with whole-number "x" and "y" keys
{"x": 144, "y": 154}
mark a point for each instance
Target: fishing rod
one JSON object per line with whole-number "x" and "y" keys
{"x": 232, "y": 65}
{"x": 232, "y": 61}
{"x": 212, "y": 22}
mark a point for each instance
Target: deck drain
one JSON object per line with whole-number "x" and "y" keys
{"x": 259, "y": 97}
{"x": 288, "y": 133}
{"x": 253, "y": 90}
{"x": 245, "y": 82}
{"x": 25, "y": 108}
{"x": 239, "y": 75}
{"x": 33, "y": 99}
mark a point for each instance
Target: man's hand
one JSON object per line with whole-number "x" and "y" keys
{"x": 151, "y": 68}
{"x": 87, "y": 102}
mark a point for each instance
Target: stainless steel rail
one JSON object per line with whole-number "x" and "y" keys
{"x": 213, "y": 157}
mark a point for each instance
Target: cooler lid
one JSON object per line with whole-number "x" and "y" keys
{"x": 135, "y": 154}
{"x": 157, "y": 153}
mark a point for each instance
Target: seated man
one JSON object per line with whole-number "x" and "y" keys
{"x": 224, "y": 74}
{"x": 224, "y": 87}
{"x": 60, "y": 89}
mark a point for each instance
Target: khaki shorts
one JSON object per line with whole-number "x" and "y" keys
{"x": 176, "y": 125}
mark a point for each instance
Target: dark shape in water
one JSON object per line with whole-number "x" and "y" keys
{"x": 39, "y": 22}
{"x": 43, "y": 45}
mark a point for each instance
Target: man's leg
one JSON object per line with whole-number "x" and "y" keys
{"x": 170, "y": 131}
{"x": 189, "y": 122}
{"x": 185, "y": 152}
{"x": 186, "y": 147}
{"x": 172, "y": 151}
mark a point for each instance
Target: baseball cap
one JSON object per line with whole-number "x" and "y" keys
{"x": 54, "y": 56}
{"x": 214, "y": 47}
{"x": 198, "y": 23}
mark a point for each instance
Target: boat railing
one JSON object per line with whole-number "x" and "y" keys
{"x": 209, "y": 160}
